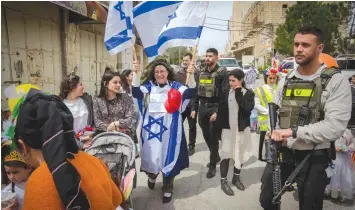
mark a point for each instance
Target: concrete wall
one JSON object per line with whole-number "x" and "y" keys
{"x": 30, "y": 45}
{"x": 37, "y": 48}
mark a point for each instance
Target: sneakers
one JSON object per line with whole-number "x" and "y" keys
{"x": 236, "y": 181}
{"x": 226, "y": 188}
{"x": 191, "y": 151}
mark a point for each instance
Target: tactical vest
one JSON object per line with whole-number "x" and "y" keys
{"x": 207, "y": 84}
{"x": 265, "y": 97}
{"x": 297, "y": 92}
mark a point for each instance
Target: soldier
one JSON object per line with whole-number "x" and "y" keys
{"x": 181, "y": 76}
{"x": 213, "y": 81}
{"x": 325, "y": 99}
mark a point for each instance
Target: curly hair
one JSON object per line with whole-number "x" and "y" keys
{"x": 160, "y": 62}
{"x": 68, "y": 84}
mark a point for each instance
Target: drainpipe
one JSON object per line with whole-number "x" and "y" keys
{"x": 64, "y": 20}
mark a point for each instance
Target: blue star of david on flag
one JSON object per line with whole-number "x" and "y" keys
{"x": 118, "y": 7}
{"x": 148, "y": 126}
{"x": 171, "y": 17}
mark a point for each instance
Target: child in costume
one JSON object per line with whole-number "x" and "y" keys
{"x": 65, "y": 178}
{"x": 17, "y": 171}
{"x": 341, "y": 185}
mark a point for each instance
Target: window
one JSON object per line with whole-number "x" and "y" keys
{"x": 346, "y": 64}
{"x": 284, "y": 9}
{"x": 227, "y": 62}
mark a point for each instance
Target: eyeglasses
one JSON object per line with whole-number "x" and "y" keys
{"x": 271, "y": 78}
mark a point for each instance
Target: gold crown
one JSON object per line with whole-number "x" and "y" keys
{"x": 14, "y": 156}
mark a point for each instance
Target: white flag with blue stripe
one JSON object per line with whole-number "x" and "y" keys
{"x": 149, "y": 19}
{"x": 119, "y": 27}
{"x": 184, "y": 26}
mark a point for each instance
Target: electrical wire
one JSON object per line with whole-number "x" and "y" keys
{"x": 218, "y": 29}
{"x": 228, "y": 29}
{"x": 229, "y": 26}
{"x": 229, "y": 20}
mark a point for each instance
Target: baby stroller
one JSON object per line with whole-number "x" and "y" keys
{"x": 118, "y": 151}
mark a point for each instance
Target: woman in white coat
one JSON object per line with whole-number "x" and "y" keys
{"x": 236, "y": 106}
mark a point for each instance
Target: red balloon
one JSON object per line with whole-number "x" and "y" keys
{"x": 173, "y": 102}
{"x": 174, "y": 97}
{"x": 169, "y": 108}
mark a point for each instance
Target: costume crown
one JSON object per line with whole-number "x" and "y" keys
{"x": 14, "y": 156}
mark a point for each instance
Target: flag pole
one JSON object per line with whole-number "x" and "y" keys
{"x": 194, "y": 52}
{"x": 134, "y": 51}
{"x": 193, "y": 62}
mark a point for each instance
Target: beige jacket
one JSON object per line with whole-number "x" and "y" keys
{"x": 337, "y": 103}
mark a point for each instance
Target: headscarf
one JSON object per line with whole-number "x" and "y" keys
{"x": 45, "y": 123}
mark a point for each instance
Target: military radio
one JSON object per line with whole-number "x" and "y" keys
{"x": 305, "y": 111}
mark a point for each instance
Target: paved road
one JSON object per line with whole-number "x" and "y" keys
{"x": 193, "y": 191}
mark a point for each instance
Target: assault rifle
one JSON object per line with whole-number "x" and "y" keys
{"x": 273, "y": 155}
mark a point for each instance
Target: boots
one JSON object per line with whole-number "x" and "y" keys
{"x": 211, "y": 171}
{"x": 226, "y": 188}
{"x": 191, "y": 150}
{"x": 236, "y": 181}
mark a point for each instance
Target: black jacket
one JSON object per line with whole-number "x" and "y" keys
{"x": 246, "y": 105}
{"x": 222, "y": 84}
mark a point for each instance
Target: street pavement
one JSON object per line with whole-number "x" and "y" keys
{"x": 193, "y": 191}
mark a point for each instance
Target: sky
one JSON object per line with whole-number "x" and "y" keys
{"x": 213, "y": 38}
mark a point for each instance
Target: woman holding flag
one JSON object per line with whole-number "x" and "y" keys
{"x": 161, "y": 101}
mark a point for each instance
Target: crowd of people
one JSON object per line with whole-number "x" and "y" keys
{"x": 47, "y": 167}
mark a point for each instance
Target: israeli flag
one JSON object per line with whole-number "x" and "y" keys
{"x": 149, "y": 18}
{"x": 119, "y": 26}
{"x": 184, "y": 26}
